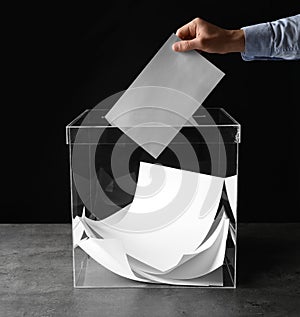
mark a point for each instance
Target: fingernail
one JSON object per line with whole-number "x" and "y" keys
{"x": 174, "y": 46}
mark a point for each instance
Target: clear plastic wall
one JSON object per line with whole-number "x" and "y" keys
{"x": 141, "y": 221}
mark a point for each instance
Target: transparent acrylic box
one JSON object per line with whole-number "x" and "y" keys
{"x": 104, "y": 169}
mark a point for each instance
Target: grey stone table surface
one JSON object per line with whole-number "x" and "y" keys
{"x": 36, "y": 278}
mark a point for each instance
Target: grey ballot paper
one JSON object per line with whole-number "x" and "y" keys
{"x": 164, "y": 96}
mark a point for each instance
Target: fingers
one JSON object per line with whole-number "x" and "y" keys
{"x": 188, "y": 35}
{"x": 183, "y": 32}
{"x": 187, "y": 31}
{"x": 183, "y": 46}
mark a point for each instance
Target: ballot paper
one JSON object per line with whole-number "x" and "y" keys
{"x": 231, "y": 189}
{"x": 232, "y": 234}
{"x": 110, "y": 253}
{"x": 168, "y": 196}
{"x": 78, "y": 230}
{"x": 217, "y": 234}
{"x": 153, "y": 239}
{"x": 204, "y": 261}
{"x": 214, "y": 233}
{"x": 116, "y": 217}
{"x": 202, "y": 264}
{"x": 186, "y": 231}
{"x": 214, "y": 278}
{"x": 164, "y": 97}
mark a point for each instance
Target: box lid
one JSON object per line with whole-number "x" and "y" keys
{"x": 215, "y": 123}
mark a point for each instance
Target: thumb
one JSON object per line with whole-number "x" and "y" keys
{"x": 183, "y": 46}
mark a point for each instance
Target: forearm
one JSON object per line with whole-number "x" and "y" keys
{"x": 278, "y": 39}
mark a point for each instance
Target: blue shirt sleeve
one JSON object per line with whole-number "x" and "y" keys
{"x": 273, "y": 40}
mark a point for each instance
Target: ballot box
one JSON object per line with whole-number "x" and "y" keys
{"x": 144, "y": 220}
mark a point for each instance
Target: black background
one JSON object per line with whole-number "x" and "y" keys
{"x": 60, "y": 60}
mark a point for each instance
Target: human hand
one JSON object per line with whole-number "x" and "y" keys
{"x": 204, "y": 36}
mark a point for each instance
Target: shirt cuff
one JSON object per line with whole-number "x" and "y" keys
{"x": 257, "y": 41}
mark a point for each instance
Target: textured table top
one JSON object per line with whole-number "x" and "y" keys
{"x": 36, "y": 278}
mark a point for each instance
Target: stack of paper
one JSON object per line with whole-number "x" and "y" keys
{"x": 160, "y": 238}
